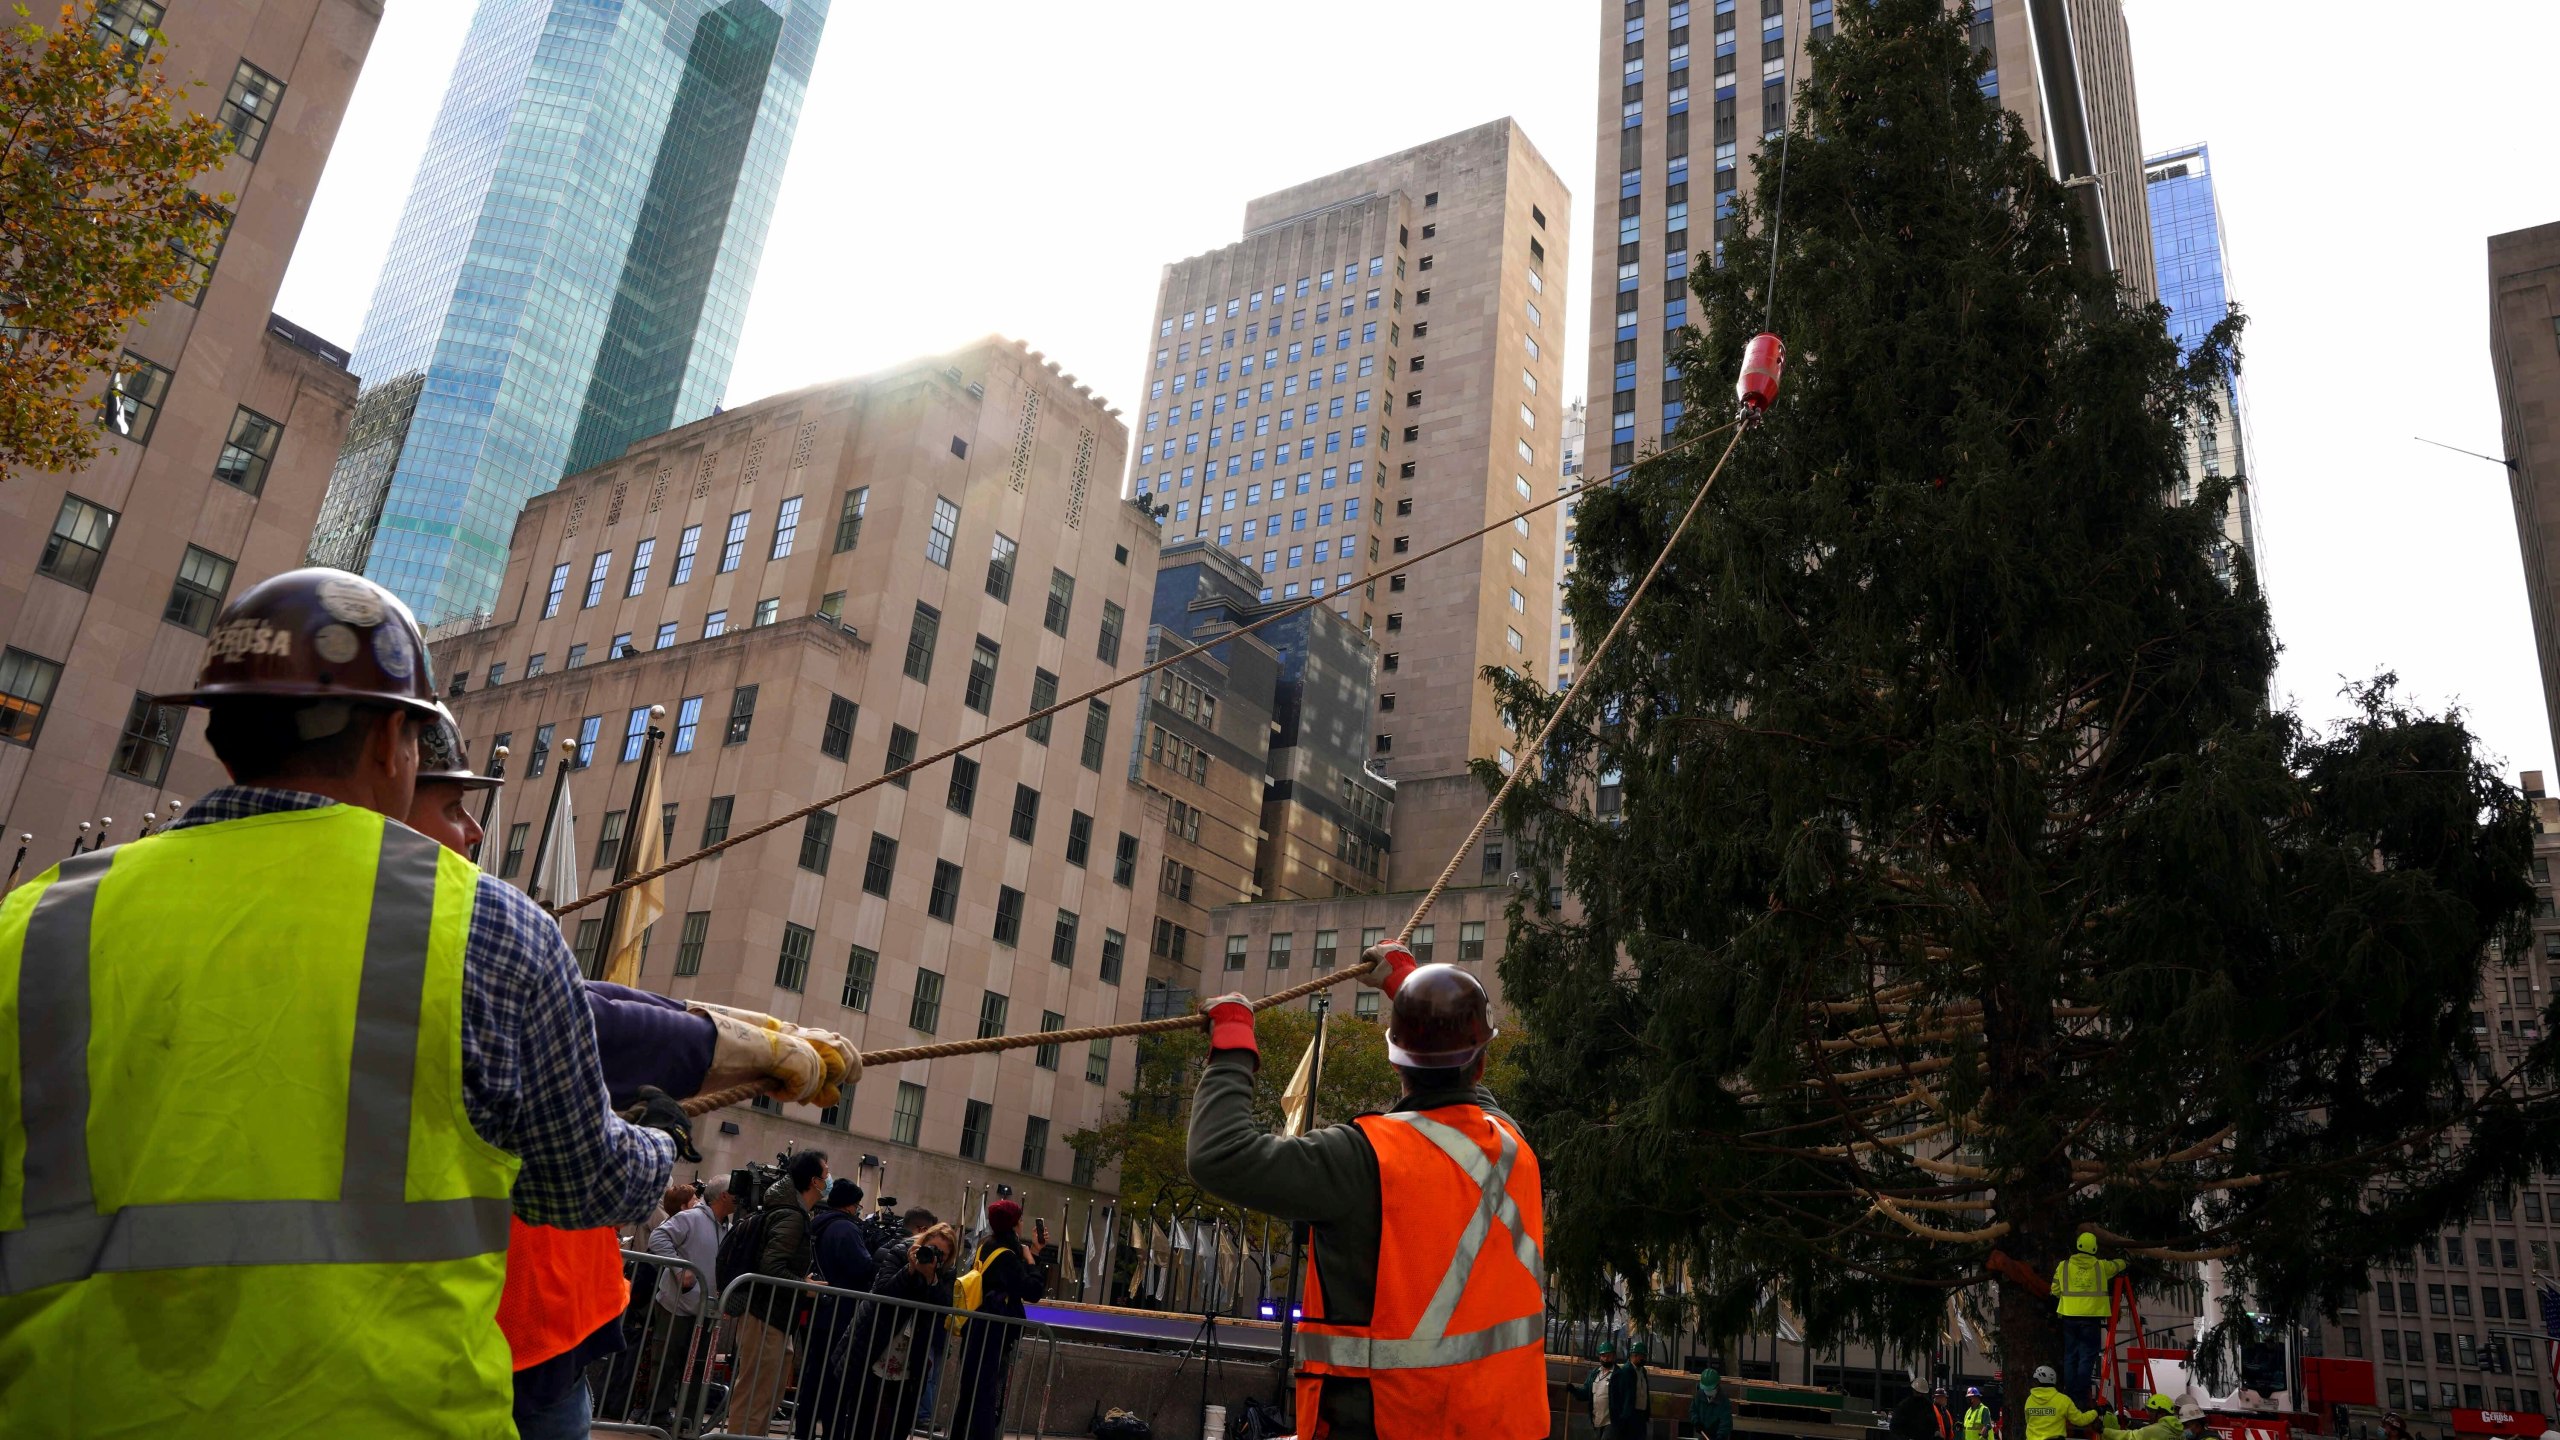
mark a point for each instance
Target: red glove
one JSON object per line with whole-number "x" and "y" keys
{"x": 1389, "y": 962}
{"x": 1231, "y": 1024}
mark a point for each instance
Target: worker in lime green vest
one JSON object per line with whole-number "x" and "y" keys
{"x": 2080, "y": 1298}
{"x": 2049, "y": 1413}
{"x": 2164, "y": 1424}
{"x": 1977, "y": 1414}
{"x": 271, "y": 1079}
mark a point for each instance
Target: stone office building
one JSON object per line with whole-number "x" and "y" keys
{"x": 819, "y": 587}
{"x": 217, "y": 449}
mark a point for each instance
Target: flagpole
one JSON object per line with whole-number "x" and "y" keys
{"x": 1298, "y": 1232}
{"x": 631, "y": 828}
{"x": 25, "y": 839}
{"x": 568, "y": 751}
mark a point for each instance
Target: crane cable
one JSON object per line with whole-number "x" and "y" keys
{"x": 974, "y": 1046}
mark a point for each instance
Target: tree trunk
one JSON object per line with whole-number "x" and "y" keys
{"x": 2017, "y": 1034}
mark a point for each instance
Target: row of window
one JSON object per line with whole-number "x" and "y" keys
{"x": 1279, "y": 950}
{"x": 1280, "y": 294}
{"x": 144, "y": 744}
{"x": 2412, "y": 1395}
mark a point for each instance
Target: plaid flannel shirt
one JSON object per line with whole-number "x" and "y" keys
{"x": 531, "y": 1083}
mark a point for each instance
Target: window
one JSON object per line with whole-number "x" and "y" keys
{"x": 733, "y": 546}
{"x": 786, "y": 528}
{"x": 541, "y": 740}
{"x": 609, "y": 841}
{"x": 1044, "y": 693}
{"x": 1237, "y": 946}
{"x": 944, "y": 901}
{"x": 831, "y": 605}
{"x": 1008, "y": 928}
{"x": 980, "y": 693}
{"x": 248, "y": 107}
{"x": 861, "y": 972}
{"x": 203, "y": 579}
{"x": 715, "y": 819}
{"x": 768, "y": 610}
{"x": 1422, "y": 943}
{"x": 1062, "y": 595}
{"x": 596, "y": 570}
{"x": 946, "y": 528}
{"x": 977, "y": 1120}
{"x": 150, "y": 734}
{"x": 920, "y": 638}
{"x": 1326, "y": 943}
{"x": 1026, "y": 813}
{"x": 924, "y": 1011}
{"x": 514, "y": 858}
{"x": 641, "y": 555}
{"x": 577, "y": 656}
{"x": 836, "y": 743}
{"x": 248, "y": 451}
{"x": 78, "y": 545}
{"x": 1000, "y": 569}
{"x": 1035, "y": 1144}
{"x": 688, "y": 723}
{"x": 1062, "y": 940}
{"x": 590, "y": 938}
{"x": 132, "y": 404}
{"x": 879, "y": 865}
{"x": 1108, "y": 648}
{"x": 1079, "y": 838}
{"x": 742, "y": 715}
{"x": 817, "y": 842}
{"x": 1115, "y": 947}
{"x": 1097, "y": 730}
{"x": 2435, "y": 1300}
{"x": 849, "y": 518}
{"x": 1097, "y": 1062}
{"x": 1276, "y": 957}
{"x": 906, "y": 1119}
{"x": 991, "y": 1013}
{"x": 963, "y": 794}
{"x": 1124, "y": 860}
{"x": 1470, "y": 940}
{"x": 902, "y": 753}
{"x": 791, "y": 970}
{"x": 588, "y": 729}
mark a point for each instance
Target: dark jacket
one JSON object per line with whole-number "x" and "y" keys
{"x": 1627, "y": 1394}
{"x": 1915, "y": 1417}
{"x": 1712, "y": 1416}
{"x": 844, "y": 1257}
{"x": 1011, "y": 1282}
{"x": 783, "y": 1253}
{"x": 1329, "y": 1178}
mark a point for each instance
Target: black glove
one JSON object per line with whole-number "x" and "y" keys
{"x": 660, "y": 1111}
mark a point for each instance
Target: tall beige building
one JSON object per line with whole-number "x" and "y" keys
{"x": 1374, "y": 370}
{"x": 2524, "y": 352}
{"x": 818, "y": 588}
{"x": 2065, "y": 67}
{"x": 217, "y": 452}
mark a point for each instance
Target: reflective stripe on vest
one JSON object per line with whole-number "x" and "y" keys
{"x": 1430, "y": 1345}
{"x": 2079, "y": 1269}
{"x": 66, "y": 1239}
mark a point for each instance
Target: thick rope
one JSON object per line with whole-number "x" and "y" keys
{"x": 1589, "y": 668}
{"x": 1072, "y": 701}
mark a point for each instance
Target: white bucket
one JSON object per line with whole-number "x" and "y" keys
{"x": 1213, "y": 1423}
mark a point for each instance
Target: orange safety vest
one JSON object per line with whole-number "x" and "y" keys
{"x": 1456, "y": 1343}
{"x": 562, "y": 1286}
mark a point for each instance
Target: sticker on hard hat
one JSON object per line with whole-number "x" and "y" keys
{"x": 249, "y": 637}
{"x": 391, "y": 647}
{"x": 336, "y": 644}
{"x": 351, "y": 601}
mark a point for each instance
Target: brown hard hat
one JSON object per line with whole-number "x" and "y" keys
{"x": 440, "y": 756}
{"x": 316, "y": 634}
{"x": 1441, "y": 1020}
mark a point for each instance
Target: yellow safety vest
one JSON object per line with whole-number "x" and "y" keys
{"x": 239, "y": 1194}
{"x": 2050, "y": 1414}
{"x": 2080, "y": 1285}
{"x": 1977, "y": 1422}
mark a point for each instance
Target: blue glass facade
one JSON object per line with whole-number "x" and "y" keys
{"x": 2194, "y": 279}
{"x": 570, "y": 274}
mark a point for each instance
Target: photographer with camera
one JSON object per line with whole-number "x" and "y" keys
{"x": 888, "y": 1360}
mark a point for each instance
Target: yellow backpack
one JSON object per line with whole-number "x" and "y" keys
{"x": 970, "y": 1288}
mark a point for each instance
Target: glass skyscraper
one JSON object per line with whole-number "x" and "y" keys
{"x": 2194, "y": 277}
{"x": 570, "y": 273}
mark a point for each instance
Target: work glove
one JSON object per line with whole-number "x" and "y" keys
{"x": 659, "y": 1111}
{"x": 747, "y": 1047}
{"x": 842, "y": 1063}
{"x": 1389, "y": 962}
{"x": 1231, "y": 1024}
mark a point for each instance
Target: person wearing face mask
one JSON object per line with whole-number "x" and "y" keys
{"x": 784, "y": 1251}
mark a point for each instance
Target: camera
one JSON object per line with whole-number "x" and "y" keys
{"x": 749, "y": 1182}
{"x": 930, "y": 1254}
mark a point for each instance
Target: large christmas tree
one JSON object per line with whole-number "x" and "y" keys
{"x": 1946, "y": 882}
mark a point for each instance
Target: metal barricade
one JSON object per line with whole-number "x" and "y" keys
{"x": 839, "y": 1364}
{"x": 647, "y": 1387}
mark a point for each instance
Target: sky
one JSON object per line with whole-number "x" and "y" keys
{"x": 1036, "y": 187}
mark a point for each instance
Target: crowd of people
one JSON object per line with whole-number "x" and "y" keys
{"x": 850, "y": 1369}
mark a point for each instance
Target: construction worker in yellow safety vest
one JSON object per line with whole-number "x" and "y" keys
{"x": 2050, "y": 1414}
{"x": 1977, "y": 1414}
{"x": 2080, "y": 1298}
{"x": 2165, "y": 1424}
{"x": 272, "y": 1078}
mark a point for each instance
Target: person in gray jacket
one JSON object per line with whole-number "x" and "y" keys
{"x": 692, "y": 1235}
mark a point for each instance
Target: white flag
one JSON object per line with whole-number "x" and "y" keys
{"x": 555, "y": 870}
{"x": 1097, "y": 1251}
{"x": 493, "y": 837}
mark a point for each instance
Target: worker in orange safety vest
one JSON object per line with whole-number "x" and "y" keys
{"x": 1424, "y": 1312}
